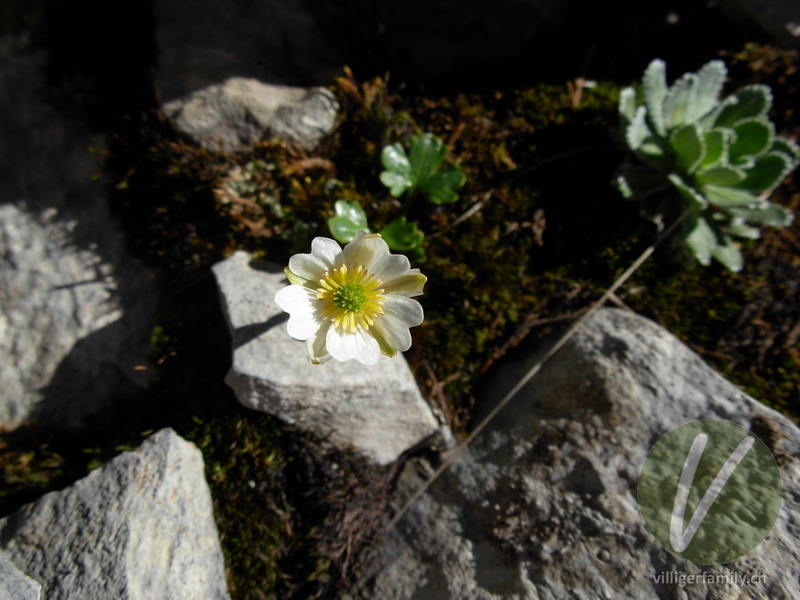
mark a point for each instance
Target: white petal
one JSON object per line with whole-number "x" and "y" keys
{"x": 405, "y": 309}
{"x": 316, "y": 348}
{"x": 298, "y": 301}
{"x": 401, "y": 313}
{"x": 325, "y": 249}
{"x": 394, "y": 333}
{"x": 391, "y": 266}
{"x": 410, "y": 284}
{"x": 368, "y": 250}
{"x": 359, "y": 345}
{"x": 324, "y": 252}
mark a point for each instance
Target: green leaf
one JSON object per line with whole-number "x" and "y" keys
{"x": 401, "y": 235}
{"x": 718, "y": 142}
{"x": 441, "y": 187}
{"x": 740, "y": 229}
{"x": 727, "y": 196}
{"x": 768, "y": 171}
{"x": 349, "y": 220}
{"x": 394, "y": 159}
{"x": 653, "y": 148}
{"x": 397, "y": 176}
{"x": 753, "y": 138}
{"x": 728, "y": 254}
{"x": 638, "y": 130}
{"x": 654, "y": 83}
{"x": 680, "y": 102}
{"x": 396, "y": 182}
{"x": 627, "y": 104}
{"x": 722, "y": 175}
{"x": 687, "y": 191}
{"x": 788, "y": 147}
{"x": 636, "y": 182}
{"x": 751, "y": 101}
{"x": 709, "y": 85}
{"x": 688, "y": 144}
{"x": 768, "y": 214}
{"x": 426, "y": 155}
{"x": 700, "y": 238}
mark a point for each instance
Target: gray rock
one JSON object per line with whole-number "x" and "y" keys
{"x": 14, "y": 584}
{"x": 204, "y": 42}
{"x": 239, "y": 112}
{"x": 75, "y": 309}
{"x": 542, "y": 505}
{"x": 377, "y": 411}
{"x": 140, "y": 527}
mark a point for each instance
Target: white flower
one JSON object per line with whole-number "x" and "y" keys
{"x": 351, "y": 303}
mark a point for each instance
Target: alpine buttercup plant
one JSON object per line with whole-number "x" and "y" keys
{"x": 353, "y": 303}
{"x": 721, "y": 157}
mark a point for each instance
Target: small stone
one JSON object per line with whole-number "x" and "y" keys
{"x": 377, "y": 411}
{"x": 239, "y": 112}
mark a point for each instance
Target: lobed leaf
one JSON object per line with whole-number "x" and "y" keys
{"x": 349, "y": 220}
{"x": 767, "y": 172}
{"x": 687, "y": 191}
{"x": 767, "y": 214}
{"x": 788, "y": 147}
{"x": 394, "y": 159}
{"x": 728, "y": 254}
{"x": 753, "y": 138}
{"x": 740, "y": 229}
{"x": 700, "y": 238}
{"x": 401, "y": 235}
{"x": 426, "y": 155}
{"x": 681, "y": 101}
{"x": 627, "y": 105}
{"x": 396, "y": 182}
{"x": 710, "y": 80}
{"x": 722, "y": 196}
{"x": 397, "y": 176}
{"x": 635, "y": 182}
{"x": 654, "y": 83}
{"x": 751, "y": 101}
{"x": 441, "y": 187}
{"x": 718, "y": 143}
{"x": 721, "y": 175}
{"x": 637, "y": 131}
{"x": 688, "y": 144}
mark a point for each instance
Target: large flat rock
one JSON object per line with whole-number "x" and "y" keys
{"x": 140, "y": 527}
{"x": 543, "y": 504}
{"x": 377, "y": 411}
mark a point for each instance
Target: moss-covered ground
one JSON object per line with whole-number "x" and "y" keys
{"x": 537, "y": 234}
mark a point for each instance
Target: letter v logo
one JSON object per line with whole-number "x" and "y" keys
{"x": 710, "y": 491}
{"x": 680, "y": 540}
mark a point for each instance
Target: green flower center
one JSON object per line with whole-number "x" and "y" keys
{"x": 350, "y": 297}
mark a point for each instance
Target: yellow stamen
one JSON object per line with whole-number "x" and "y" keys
{"x": 350, "y": 298}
